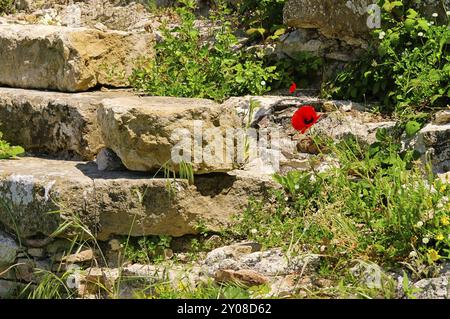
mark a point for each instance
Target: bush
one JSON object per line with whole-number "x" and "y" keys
{"x": 6, "y": 6}
{"x": 407, "y": 68}
{"x": 263, "y": 16}
{"x": 187, "y": 65}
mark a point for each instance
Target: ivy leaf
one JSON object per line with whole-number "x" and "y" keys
{"x": 411, "y": 128}
{"x": 260, "y": 31}
{"x": 278, "y": 33}
{"x": 389, "y": 6}
{"x": 423, "y": 24}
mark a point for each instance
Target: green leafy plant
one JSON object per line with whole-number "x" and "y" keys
{"x": 407, "y": 67}
{"x": 303, "y": 68}
{"x": 263, "y": 18}
{"x": 8, "y": 151}
{"x": 147, "y": 249}
{"x": 377, "y": 204}
{"x": 6, "y": 6}
{"x": 187, "y": 64}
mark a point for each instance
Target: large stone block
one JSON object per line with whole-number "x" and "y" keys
{"x": 342, "y": 19}
{"x": 144, "y": 131}
{"x": 68, "y": 59}
{"x": 57, "y": 124}
{"x": 38, "y": 195}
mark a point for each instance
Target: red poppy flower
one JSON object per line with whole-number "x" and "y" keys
{"x": 293, "y": 88}
{"x": 304, "y": 118}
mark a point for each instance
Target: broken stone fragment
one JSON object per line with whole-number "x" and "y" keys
{"x": 442, "y": 117}
{"x": 107, "y": 160}
{"x": 8, "y": 249}
{"x": 82, "y": 256}
{"x": 245, "y": 277}
{"x": 433, "y": 143}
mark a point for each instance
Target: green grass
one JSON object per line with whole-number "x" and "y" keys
{"x": 380, "y": 207}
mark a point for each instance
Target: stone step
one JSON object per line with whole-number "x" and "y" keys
{"x": 148, "y": 132}
{"x": 140, "y": 130}
{"x": 117, "y": 203}
{"x": 62, "y": 125}
{"x": 68, "y": 59}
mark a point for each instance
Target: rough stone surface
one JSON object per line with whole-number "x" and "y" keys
{"x": 244, "y": 276}
{"x": 434, "y": 288}
{"x": 67, "y": 59}
{"x": 80, "y": 257}
{"x": 362, "y": 126}
{"x": 267, "y": 263}
{"x": 143, "y": 131}
{"x": 107, "y": 160}
{"x": 442, "y": 117}
{"x": 334, "y": 18}
{"x": 348, "y": 20}
{"x": 433, "y": 140}
{"x": 8, "y": 249}
{"x": 57, "y": 124}
{"x": 117, "y": 202}
{"x": 338, "y": 119}
{"x": 9, "y": 288}
{"x": 113, "y": 14}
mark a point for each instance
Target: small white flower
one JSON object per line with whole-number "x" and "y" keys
{"x": 263, "y": 83}
{"x": 425, "y": 240}
{"x": 297, "y": 187}
{"x": 420, "y": 34}
{"x": 381, "y": 35}
{"x": 448, "y": 13}
{"x": 431, "y": 23}
{"x": 286, "y": 198}
{"x": 419, "y": 224}
{"x": 253, "y": 231}
{"x": 413, "y": 254}
{"x": 435, "y": 15}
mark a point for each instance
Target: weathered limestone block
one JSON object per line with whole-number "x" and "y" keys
{"x": 350, "y": 21}
{"x": 117, "y": 203}
{"x": 144, "y": 131}
{"x": 57, "y": 124}
{"x": 341, "y": 19}
{"x": 68, "y": 59}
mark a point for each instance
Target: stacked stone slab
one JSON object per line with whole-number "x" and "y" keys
{"x": 68, "y": 59}
{"x": 116, "y": 203}
{"x": 49, "y": 105}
